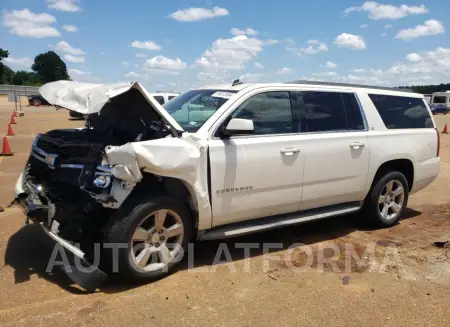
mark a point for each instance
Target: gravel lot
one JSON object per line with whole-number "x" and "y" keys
{"x": 402, "y": 281}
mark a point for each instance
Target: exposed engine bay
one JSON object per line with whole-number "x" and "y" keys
{"x": 68, "y": 168}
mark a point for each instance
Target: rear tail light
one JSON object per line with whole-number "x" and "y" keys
{"x": 438, "y": 142}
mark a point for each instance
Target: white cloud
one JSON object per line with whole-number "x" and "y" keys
{"x": 162, "y": 64}
{"x": 249, "y": 31}
{"x": 231, "y": 53}
{"x": 258, "y": 65}
{"x": 74, "y": 59}
{"x": 251, "y": 77}
{"x": 330, "y": 65}
{"x": 414, "y": 57}
{"x": 289, "y": 40}
{"x": 149, "y": 45}
{"x": 65, "y": 47}
{"x": 284, "y": 71}
{"x": 388, "y": 26}
{"x": 125, "y": 63}
{"x": 430, "y": 27}
{"x": 430, "y": 67}
{"x": 364, "y": 25}
{"x": 325, "y": 74}
{"x": 64, "y": 5}
{"x": 70, "y": 28}
{"x": 383, "y": 34}
{"x": 197, "y": 14}
{"x": 141, "y": 55}
{"x": 18, "y": 62}
{"x": 380, "y": 11}
{"x": 271, "y": 42}
{"x": 133, "y": 75}
{"x": 28, "y": 24}
{"x": 347, "y": 40}
{"x": 78, "y": 72}
{"x": 315, "y": 46}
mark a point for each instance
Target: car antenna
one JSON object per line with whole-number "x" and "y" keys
{"x": 236, "y": 82}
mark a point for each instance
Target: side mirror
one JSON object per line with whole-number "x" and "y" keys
{"x": 239, "y": 126}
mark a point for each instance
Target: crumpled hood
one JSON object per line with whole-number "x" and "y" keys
{"x": 89, "y": 98}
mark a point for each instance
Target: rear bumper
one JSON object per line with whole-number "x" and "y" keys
{"x": 425, "y": 172}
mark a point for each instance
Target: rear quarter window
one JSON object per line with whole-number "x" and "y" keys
{"x": 402, "y": 112}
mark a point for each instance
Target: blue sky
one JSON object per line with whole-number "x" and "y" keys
{"x": 175, "y": 45}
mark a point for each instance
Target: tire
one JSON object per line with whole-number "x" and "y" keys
{"x": 37, "y": 102}
{"x": 373, "y": 210}
{"x": 126, "y": 222}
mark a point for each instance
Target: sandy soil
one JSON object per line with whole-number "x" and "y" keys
{"x": 396, "y": 276}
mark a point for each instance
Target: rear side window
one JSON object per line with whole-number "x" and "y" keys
{"x": 171, "y": 97}
{"x": 440, "y": 99}
{"x": 402, "y": 112}
{"x": 159, "y": 98}
{"x": 322, "y": 111}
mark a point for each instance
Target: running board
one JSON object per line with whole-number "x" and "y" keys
{"x": 266, "y": 223}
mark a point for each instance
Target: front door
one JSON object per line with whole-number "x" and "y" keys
{"x": 258, "y": 175}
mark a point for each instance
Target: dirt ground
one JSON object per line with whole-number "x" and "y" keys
{"x": 399, "y": 278}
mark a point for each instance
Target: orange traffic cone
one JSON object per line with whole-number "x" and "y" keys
{"x": 10, "y": 131}
{"x": 13, "y": 121}
{"x": 14, "y": 113}
{"x": 445, "y": 131}
{"x": 6, "y": 151}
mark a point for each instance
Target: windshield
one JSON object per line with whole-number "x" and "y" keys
{"x": 193, "y": 108}
{"x": 439, "y": 99}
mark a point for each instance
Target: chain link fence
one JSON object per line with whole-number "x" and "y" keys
{"x": 16, "y": 95}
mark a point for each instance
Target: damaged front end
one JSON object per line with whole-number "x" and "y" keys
{"x": 75, "y": 179}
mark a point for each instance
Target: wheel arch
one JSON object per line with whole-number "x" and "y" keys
{"x": 405, "y": 166}
{"x": 152, "y": 185}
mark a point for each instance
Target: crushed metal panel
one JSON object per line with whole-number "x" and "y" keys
{"x": 184, "y": 158}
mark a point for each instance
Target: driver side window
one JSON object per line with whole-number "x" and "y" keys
{"x": 270, "y": 112}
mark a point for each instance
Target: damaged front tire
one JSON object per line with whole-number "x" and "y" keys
{"x": 151, "y": 237}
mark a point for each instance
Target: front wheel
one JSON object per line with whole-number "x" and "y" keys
{"x": 387, "y": 199}
{"x": 156, "y": 234}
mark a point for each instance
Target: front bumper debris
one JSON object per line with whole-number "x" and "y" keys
{"x": 39, "y": 212}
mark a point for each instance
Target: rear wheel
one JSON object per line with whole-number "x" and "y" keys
{"x": 156, "y": 233}
{"x": 387, "y": 199}
{"x": 36, "y": 102}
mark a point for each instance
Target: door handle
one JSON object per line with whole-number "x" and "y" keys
{"x": 356, "y": 145}
{"x": 289, "y": 151}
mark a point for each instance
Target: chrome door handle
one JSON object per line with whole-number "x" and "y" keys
{"x": 289, "y": 151}
{"x": 356, "y": 145}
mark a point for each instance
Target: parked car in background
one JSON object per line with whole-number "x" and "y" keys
{"x": 37, "y": 100}
{"x": 163, "y": 97}
{"x": 440, "y": 102}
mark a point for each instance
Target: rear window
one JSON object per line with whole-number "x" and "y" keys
{"x": 159, "y": 98}
{"x": 440, "y": 99}
{"x": 402, "y": 112}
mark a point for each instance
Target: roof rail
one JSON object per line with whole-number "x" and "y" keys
{"x": 349, "y": 85}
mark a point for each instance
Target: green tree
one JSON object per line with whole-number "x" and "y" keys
{"x": 4, "y": 70}
{"x": 22, "y": 77}
{"x": 49, "y": 67}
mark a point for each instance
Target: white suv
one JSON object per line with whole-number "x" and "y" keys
{"x": 222, "y": 161}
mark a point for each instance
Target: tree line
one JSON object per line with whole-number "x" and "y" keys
{"x": 46, "y": 67}
{"x": 428, "y": 89}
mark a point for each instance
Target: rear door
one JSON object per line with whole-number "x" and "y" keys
{"x": 335, "y": 147}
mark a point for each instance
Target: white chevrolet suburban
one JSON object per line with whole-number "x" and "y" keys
{"x": 221, "y": 161}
